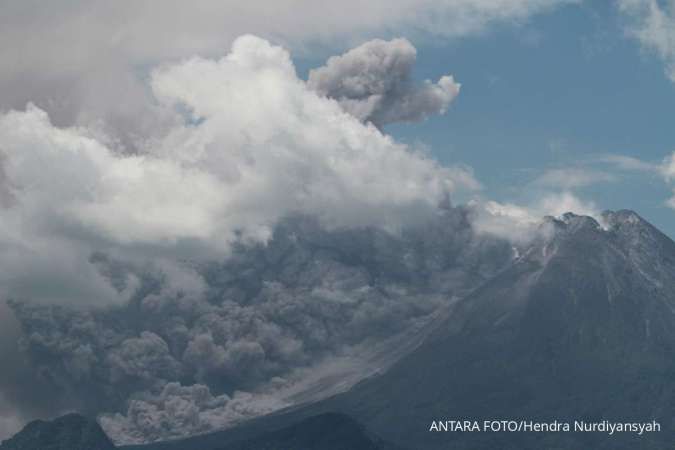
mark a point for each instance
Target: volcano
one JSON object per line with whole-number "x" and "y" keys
{"x": 579, "y": 327}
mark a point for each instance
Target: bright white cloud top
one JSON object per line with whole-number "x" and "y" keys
{"x": 257, "y": 145}
{"x": 652, "y": 23}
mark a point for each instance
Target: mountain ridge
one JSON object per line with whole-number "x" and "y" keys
{"x": 579, "y": 326}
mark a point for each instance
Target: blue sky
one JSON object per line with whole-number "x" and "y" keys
{"x": 577, "y": 90}
{"x": 559, "y": 91}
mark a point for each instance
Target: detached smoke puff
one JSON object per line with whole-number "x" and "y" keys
{"x": 373, "y": 83}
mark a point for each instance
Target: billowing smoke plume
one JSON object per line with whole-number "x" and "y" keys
{"x": 177, "y": 411}
{"x": 254, "y": 333}
{"x": 374, "y": 83}
{"x": 113, "y": 260}
{"x": 256, "y": 146}
{"x": 268, "y": 249}
{"x": 153, "y": 240}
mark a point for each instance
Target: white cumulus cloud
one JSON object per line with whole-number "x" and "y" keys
{"x": 652, "y": 23}
{"x": 257, "y": 145}
{"x": 664, "y": 169}
{"x": 521, "y": 223}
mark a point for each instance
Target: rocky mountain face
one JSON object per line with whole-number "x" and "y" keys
{"x": 581, "y": 326}
{"x": 70, "y": 432}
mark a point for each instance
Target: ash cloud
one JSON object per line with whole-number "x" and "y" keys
{"x": 258, "y": 146}
{"x": 374, "y": 83}
{"x": 174, "y": 362}
{"x": 187, "y": 410}
{"x": 118, "y": 195}
{"x": 233, "y": 265}
{"x": 100, "y": 249}
{"x": 168, "y": 286}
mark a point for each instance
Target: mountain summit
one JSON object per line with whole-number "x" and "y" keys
{"x": 579, "y": 327}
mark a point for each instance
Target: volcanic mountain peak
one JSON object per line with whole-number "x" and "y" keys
{"x": 580, "y": 326}
{"x": 638, "y": 234}
{"x": 622, "y": 223}
{"x": 554, "y": 233}
{"x": 624, "y": 220}
{"x": 621, "y": 232}
{"x": 619, "y": 249}
{"x": 574, "y": 221}
{"x": 623, "y": 217}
